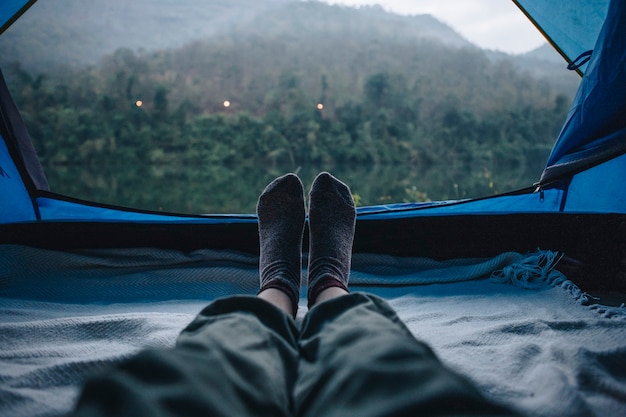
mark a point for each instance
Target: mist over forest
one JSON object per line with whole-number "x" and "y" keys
{"x": 283, "y": 84}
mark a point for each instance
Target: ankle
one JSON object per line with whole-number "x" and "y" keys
{"x": 279, "y": 299}
{"x": 328, "y": 285}
{"x": 328, "y": 294}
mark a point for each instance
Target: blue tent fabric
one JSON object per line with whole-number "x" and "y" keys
{"x": 595, "y": 129}
{"x": 57, "y": 208}
{"x": 11, "y": 10}
{"x": 15, "y": 204}
{"x": 599, "y": 189}
{"x": 16, "y": 136}
{"x": 575, "y": 30}
{"x": 20, "y": 170}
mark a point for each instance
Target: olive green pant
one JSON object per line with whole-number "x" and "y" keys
{"x": 242, "y": 356}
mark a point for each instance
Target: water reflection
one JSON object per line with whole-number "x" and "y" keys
{"x": 234, "y": 189}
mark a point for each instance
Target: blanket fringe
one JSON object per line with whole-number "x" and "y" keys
{"x": 538, "y": 269}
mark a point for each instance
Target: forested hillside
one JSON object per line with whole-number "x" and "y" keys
{"x": 304, "y": 83}
{"x": 56, "y": 33}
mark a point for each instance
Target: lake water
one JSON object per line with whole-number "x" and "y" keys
{"x": 235, "y": 189}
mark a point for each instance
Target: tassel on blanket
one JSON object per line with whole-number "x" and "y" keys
{"x": 532, "y": 272}
{"x": 538, "y": 269}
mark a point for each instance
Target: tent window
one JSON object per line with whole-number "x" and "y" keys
{"x": 194, "y": 109}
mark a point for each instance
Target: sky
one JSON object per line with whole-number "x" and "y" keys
{"x": 490, "y": 24}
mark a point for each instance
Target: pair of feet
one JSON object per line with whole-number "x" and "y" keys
{"x": 281, "y": 213}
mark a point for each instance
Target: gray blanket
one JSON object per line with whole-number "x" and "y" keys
{"x": 518, "y": 328}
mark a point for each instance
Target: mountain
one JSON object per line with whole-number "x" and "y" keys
{"x": 284, "y": 82}
{"x": 56, "y": 33}
{"x": 544, "y": 53}
{"x": 546, "y": 63}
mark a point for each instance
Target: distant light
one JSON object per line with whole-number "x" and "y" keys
{"x": 226, "y": 103}
{"x": 138, "y": 103}
{"x": 320, "y": 106}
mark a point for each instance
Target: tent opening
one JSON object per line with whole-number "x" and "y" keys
{"x": 188, "y": 109}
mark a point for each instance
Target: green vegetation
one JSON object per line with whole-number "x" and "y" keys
{"x": 388, "y": 100}
{"x": 463, "y": 110}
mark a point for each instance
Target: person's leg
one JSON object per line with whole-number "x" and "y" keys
{"x": 281, "y": 226}
{"x": 237, "y": 358}
{"x": 356, "y": 355}
{"x": 279, "y": 299}
{"x": 358, "y": 358}
{"x": 329, "y": 294}
{"x": 332, "y": 217}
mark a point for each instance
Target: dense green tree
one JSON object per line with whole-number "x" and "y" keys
{"x": 448, "y": 113}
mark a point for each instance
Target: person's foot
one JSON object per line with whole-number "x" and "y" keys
{"x": 332, "y": 217}
{"x": 281, "y": 213}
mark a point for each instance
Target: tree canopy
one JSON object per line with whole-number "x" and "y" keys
{"x": 295, "y": 94}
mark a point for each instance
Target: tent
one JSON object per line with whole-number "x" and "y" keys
{"x": 577, "y": 208}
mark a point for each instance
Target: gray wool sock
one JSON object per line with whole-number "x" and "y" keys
{"x": 332, "y": 218}
{"x": 281, "y": 213}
